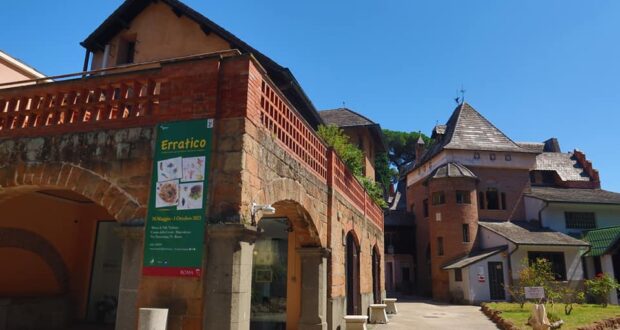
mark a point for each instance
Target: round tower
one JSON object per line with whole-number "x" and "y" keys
{"x": 453, "y": 220}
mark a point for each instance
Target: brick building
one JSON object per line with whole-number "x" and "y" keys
{"x": 289, "y": 238}
{"x": 473, "y": 229}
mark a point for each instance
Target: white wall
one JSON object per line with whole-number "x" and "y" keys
{"x": 532, "y": 207}
{"x": 480, "y": 291}
{"x": 554, "y": 218}
{"x": 489, "y": 239}
{"x": 572, "y": 259}
{"x": 466, "y": 157}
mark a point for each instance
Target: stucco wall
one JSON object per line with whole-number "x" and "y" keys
{"x": 161, "y": 34}
{"x": 480, "y": 291}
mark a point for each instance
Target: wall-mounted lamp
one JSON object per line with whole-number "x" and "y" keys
{"x": 266, "y": 209}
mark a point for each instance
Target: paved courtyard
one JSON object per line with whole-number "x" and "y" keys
{"x": 419, "y": 314}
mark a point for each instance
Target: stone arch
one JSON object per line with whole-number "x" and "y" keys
{"x": 119, "y": 203}
{"x": 289, "y": 193}
{"x": 33, "y": 242}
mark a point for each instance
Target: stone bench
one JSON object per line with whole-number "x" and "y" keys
{"x": 356, "y": 322}
{"x": 153, "y": 319}
{"x": 391, "y": 305}
{"x": 377, "y": 314}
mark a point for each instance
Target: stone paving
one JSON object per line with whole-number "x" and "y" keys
{"x": 427, "y": 315}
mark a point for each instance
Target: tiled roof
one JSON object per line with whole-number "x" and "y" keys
{"x": 534, "y": 146}
{"x": 469, "y": 130}
{"x": 564, "y": 164}
{"x": 473, "y": 257}
{"x": 574, "y": 195}
{"x": 522, "y": 233}
{"x": 344, "y": 117}
{"x": 452, "y": 170}
{"x": 602, "y": 240}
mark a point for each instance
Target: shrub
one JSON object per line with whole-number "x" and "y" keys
{"x": 600, "y": 287}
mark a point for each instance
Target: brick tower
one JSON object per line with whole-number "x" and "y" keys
{"x": 453, "y": 220}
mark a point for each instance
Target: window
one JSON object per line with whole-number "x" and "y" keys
{"x": 458, "y": 275}
{"x": 481, "y": 200}
{"x": 508, "y": 158}
{"x": 492, "y": 156}
{"x": 463, "y": 197}
{"x": 580, "y": 220}
{"x": 440, "y": 246}
{"x": 503, "y": 201}
{"x": 465, "y": 232}
{"x": 425, "y": 204}
{"x": 126, "y": 50}
{"x": 476, "y": 155}
{"x": 492, "y": 199}
{"x": 558, "y": 265}
{"x": 439, "y": 198}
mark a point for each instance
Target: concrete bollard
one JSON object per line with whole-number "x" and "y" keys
{"x": 356, "y": 322}
{"x": 153, "y": 319}
{"x": 377, "y": 314}
{"x": 391, "y": 305}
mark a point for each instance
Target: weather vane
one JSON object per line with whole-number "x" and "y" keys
{"x": 460, "y": 99}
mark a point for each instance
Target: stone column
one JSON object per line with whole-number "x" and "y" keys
{"x": 127, "y": 310}
{"x": 313, "y": 288}
{"x": 607, "y": 265}
{"x": 228, "y": 276}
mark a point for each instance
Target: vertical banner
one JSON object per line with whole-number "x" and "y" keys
{"x": 175, "y": 226}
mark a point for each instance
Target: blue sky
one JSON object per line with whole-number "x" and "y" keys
{"x": 537, "y": 69}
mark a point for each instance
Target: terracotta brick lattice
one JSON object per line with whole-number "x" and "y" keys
{"x": 81, "y": 103}
{"x": 277, "y": 116}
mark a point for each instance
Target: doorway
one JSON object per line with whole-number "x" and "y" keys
{"x": 376, "y": 276}
{"x": 496, "y": 281}
{"x": 269, "y": 275}
{"x": 105, "y": 274}
{"x": 352, "y": 276}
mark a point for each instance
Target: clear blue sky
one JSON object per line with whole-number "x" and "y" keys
{"x": 536, "y": 69}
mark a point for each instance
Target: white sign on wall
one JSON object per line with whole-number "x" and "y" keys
{"x": 534, "y": 292}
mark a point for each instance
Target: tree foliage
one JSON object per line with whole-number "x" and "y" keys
{"x": 349, "y": 153}
{"x": 353, "y": 158}
{"x": 401, "y": 146}
{"x": 384, "y": 174}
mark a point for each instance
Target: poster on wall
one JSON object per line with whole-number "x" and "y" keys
{"x": 175, "y": 226}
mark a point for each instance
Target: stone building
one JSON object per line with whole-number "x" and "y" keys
{"x": 287, "y": 237}
{"x": 473, "y": 228}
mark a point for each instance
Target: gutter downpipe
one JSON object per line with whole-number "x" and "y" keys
{"x": 510, "y": 279}
{"x": 540, "y": 213}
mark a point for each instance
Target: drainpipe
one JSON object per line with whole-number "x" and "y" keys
{"x": 540, "y": 214}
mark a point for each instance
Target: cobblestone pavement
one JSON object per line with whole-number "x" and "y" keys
{"x": 427, "y": 315}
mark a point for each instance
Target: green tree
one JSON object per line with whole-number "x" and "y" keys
{"x": 401, "y": 146}
{"x": 384, "y": 174}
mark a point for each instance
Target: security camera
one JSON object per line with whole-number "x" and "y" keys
{"x": 268, "y": 209}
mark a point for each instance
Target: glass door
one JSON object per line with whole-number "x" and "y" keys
{"x": 269, "y": 275}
